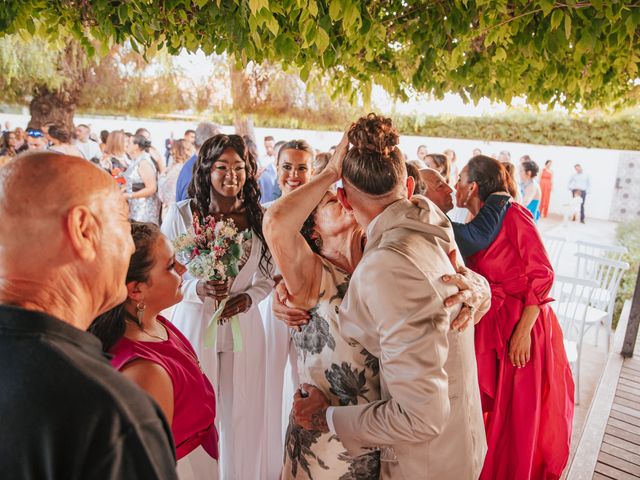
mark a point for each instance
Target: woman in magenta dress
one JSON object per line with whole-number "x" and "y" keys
{"x": 525, "y": 379}
{"x": 153, "y": 353}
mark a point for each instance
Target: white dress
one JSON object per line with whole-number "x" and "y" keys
{"x": 238, "y": 378}
{"x": 282, "y": 381}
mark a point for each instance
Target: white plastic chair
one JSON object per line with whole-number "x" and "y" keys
{"x": 612, "y": 252}
{"x": 572, "y": 307}
{"x": 607, "y": 274}
{"x": 554, "y": 246}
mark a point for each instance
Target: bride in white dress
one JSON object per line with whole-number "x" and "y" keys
{"x": 224, "y": 186}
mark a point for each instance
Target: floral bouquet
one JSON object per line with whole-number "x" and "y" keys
{"x": 212, "y": 250}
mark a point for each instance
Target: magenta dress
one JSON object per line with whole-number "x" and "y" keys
{"x": 194, "y": 401}
{"x": 528, "y": 411}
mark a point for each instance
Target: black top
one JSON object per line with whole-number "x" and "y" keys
{"x": 480, "y": 232}
{"x": 65, "y": 413}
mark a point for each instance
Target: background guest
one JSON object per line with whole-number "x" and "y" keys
{"x": 454, "y": 170}
{"x": 60, "y": 140}
{"x": 90, "y": 150}
{"x": 180, "y": 153}
{"x": 422, "y": 152}
{"x": 320, "y": 162}
{"x": 9, "y": 142}
{"x": 530, "y": 189}
{"x": 581, "y": 183}
{"x": 153, "y": 152}
{"x": 141, "y": 188}
{"x": 36, "y": 140}
{"x": 115, "y": 152}
{"x": 513, "y": 185}
{"x": 546, "y": 186}
{"x": 440, "y": 163}
{"x": 104, "y": 134}
{"x": 204, "y": 131}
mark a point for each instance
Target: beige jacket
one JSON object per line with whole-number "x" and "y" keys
{"x": 428, "y": 424}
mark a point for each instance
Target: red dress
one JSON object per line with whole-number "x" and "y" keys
{"x": 546, "y": 185}
{"x": 528, "y": 411}
{"x": 194, "y": 402}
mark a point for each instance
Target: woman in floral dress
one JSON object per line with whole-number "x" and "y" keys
{"x": 316, "y": 267}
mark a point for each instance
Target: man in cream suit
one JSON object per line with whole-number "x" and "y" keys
{"x": 429, "y": 421}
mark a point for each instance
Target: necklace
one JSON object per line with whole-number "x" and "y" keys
{"x": 192, "y": 356}
{"x": 149, "y": 333}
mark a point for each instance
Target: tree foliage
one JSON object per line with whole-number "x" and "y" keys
{"x": 566, "y": 52}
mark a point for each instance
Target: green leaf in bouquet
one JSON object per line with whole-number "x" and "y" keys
{"x": 232, "y": 270}
{"x": 235, "y": 250}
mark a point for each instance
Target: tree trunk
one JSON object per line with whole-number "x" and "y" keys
{"x": 49, "y": 106}
{"x": 241, "y": 97}
{"x": 58, "y": 106}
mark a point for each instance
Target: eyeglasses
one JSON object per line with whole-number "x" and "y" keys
{"x": 35, "y": 133}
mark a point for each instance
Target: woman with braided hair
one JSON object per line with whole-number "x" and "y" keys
{"x": 224, "y": 186}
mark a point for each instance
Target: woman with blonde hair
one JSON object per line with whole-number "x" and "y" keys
{"x": 180, "y": 153}
{"x": 115, "y": 152}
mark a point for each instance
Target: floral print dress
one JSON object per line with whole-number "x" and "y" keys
{"x": 346, "y": 373}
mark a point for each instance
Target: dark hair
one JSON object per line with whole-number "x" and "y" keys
{"x": 547, "y": 162}
{"x": 414, "y": 172}
{"x": 59, "y": 133}
{"x": 142, "y": 129}
{"x": 489, "y": 174}
{"x": 531, "y": 167}
{"x": 526, "y": 158}
{"x": 442, "y": 164}
{"x": 110, "y": 326}
{"x": 268, "y": 138}
{"x": 200, "y": 186}
{"x": 104, "y": 134}
{"x": 512, "y": 186}
{"x": 187, "y": 132}
{"x": 141, "y": 142}
{"x": 300, "y": 145}
{"x": 375, "y": 164}
{"x": 82, "y": 125}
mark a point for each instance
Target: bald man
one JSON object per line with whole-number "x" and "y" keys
{"x": 65, "y": 245}
{"x": 480, "y": 232}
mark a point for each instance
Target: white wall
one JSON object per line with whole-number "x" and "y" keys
{"x": 600, "y": 164}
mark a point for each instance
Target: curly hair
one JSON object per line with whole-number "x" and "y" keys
{"x": 200, "y": 186}
{"x": 375, "y": 164}
{"x": 110, "y": 326}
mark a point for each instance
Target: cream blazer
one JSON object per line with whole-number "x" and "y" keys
{"x": 428, "y": 424}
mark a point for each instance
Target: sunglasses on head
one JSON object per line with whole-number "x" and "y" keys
{"x": 32, "y": 132}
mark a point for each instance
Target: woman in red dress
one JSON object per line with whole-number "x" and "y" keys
{"x": 525, "y": 379}
{"x": 546, "y": 185}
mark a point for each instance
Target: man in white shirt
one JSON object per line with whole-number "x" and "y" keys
{"x": 580, "y": 183}
{"x": 89, "y": 149}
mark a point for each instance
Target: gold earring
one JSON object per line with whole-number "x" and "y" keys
{"x": 140, "y": 308}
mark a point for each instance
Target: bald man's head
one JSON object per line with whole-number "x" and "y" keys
{"x": 64, "y": 226}
{"x": 438, "y": 190}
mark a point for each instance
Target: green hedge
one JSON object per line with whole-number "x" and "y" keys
{"x": 628, "y": 234}
{"x": 618, "y": 132}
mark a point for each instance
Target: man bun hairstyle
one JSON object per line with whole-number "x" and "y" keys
{"x": 374, "y": 164}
